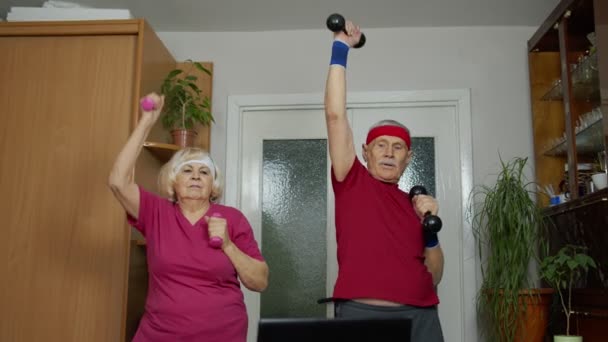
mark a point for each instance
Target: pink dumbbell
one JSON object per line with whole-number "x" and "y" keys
{"x": 147, "y": 104}
{"x": 216, "y": 241}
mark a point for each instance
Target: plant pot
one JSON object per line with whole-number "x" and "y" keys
{"x": 534, "y": 315}
{"x": 564, "y": 338}
{"x": 183, "y": 137}
{"x": 532, "y": 325}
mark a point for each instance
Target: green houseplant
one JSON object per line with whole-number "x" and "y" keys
{"x": 508, "y": 227}
{"x": 185, "y": 104}
{"x": 562, "y": 271}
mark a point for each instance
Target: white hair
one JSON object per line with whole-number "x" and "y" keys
{"x": 168, "y": 173}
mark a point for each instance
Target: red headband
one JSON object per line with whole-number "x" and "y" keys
{"x": 394, "y": 131}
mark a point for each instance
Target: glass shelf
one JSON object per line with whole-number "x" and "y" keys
{"x": 585, "y": 82}
{"x": 589, "y": 141}
{"x": 554, "y": 94}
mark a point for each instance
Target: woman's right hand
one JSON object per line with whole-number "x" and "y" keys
{"x": 159, "y": 101}
{"x": 121, "y": 181}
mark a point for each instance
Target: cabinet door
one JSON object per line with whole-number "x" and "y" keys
{"x": 65, "y": 108}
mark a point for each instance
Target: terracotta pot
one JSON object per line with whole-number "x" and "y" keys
{"x": 183, "y": 137}
{"x": 532, "y": 324}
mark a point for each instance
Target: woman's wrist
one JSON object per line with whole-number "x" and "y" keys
{"x": 228, "y": 247}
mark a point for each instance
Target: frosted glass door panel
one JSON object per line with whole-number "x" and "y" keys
{"x": 294, "y": 224}
{"x": 421, "y": 170}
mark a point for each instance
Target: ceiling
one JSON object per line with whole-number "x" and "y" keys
{"x": 271, "y": 15}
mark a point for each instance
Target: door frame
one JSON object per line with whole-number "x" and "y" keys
{"x": 459, "y": 99}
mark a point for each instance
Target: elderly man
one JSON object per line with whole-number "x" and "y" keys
{"x": 388, "y": 268}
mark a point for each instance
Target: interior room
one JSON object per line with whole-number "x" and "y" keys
{"x": 490, "y": 91}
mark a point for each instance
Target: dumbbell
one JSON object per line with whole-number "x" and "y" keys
{"x": 431, "y": 223}
{"x": 147, "y": 104}
{"x": 216, "y": 241}
{"x": 336, "y": 23}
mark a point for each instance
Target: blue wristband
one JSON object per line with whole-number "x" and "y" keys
{"x": 430, "y": 240}
{"x": 339, "y": 53}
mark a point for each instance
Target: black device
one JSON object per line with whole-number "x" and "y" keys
{"x": 333, "y": 330}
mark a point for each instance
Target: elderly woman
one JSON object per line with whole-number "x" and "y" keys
{"x": 197, "y": 249}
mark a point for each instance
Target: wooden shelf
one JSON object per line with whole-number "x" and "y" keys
{"x": 162, "y": 151}
{"x": 139, "y": 242}
{"x": 599, "y": 197}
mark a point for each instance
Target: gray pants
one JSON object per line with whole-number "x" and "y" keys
{"x": 425, "y": 321}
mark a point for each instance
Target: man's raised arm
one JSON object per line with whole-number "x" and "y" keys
{"x": 339, "y": 132}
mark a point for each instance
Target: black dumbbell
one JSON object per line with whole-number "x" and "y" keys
{"x": 431, "y": 223}
{"x": 336, "y": 23}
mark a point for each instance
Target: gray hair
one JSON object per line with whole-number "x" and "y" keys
{"x": 168, "y": 173}
{"x": 389, "y": 123}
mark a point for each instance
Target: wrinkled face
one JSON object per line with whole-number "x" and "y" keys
{"x": 387, "y": 157}
{"x": 193, "y": 181}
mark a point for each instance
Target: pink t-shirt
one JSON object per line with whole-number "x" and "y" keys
{"x": 380, "y": 242}
{"x": 193, "y": 290}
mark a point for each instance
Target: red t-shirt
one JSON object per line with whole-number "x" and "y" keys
{"x": 193, "y": 290}
{"x": 380, "y": 242}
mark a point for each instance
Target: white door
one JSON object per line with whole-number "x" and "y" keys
{"x": 286, "y": 197}
{"x": 284, "y": 189}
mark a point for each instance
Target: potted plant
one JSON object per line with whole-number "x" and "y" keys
{"x": 508, "y": 226}
{"x": 562, "y": 271}
{"x": 185, "y": 103}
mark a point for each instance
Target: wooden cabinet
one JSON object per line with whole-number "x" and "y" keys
{"x": 68, "y": 101}
{"x": 568, "y": 65}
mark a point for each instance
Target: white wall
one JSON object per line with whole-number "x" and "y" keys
{"x": 492, "y": 61}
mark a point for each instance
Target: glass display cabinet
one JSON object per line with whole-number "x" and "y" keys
{"x": 568, "y": 65}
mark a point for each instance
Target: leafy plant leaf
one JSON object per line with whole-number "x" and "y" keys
{"x": 185, "y": 103}
{"x": 200, "y": 67}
